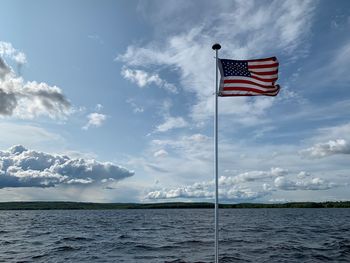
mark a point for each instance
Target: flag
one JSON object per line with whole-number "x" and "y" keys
{"x": 248, "y": 77}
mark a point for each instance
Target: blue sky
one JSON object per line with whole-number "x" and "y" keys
{"x": 112, "y": 101}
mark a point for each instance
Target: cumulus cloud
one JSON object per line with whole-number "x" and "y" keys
{"x": 206, "y": 191}
{"x": 7, "y": 50}
{"x": 231, "y": 188}
{"x": 95, "y": 120}
{"x": 142, "y": 78}
{"x": 20, "y": 167}
{"x": 319, "y": 150}
{"x": 303, "y": 175}
{"x": 245, "y": 186}
{"x": 316, "y": 183}
{"x": 4, "y": 68}
{"x": 188, "y": 50}
{"x": 30, "y": 99}
{"x": 252, "y": 176}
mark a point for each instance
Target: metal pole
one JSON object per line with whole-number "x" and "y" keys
{"x": 216, "y": 47}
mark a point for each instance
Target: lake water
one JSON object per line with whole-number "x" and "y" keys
{"x": 177, "y": 235}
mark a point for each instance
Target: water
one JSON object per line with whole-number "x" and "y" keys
{"x": 246, "y": 235}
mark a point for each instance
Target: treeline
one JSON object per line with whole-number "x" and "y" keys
{"x": 100, "y": 206}
{"x": 343, "y": 204}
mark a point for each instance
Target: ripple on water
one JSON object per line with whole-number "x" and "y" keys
{"x": 175, "y": 236}
{"x": 76, "y": 239}
{"x": 65, "y": 249}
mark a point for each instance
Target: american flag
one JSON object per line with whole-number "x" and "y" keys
{"x": 248, "y": 77}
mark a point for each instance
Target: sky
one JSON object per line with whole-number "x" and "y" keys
{"x": 113, "y": 101}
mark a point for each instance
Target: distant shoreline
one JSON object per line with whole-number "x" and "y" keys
{"x": 58, "y": 205}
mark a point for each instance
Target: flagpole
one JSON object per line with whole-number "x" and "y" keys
{"x": 216, "y": 47}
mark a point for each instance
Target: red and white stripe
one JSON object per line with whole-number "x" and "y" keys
{"x": 264, "y": 73}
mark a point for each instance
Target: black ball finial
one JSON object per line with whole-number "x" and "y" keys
{"x": 216, "y": 46}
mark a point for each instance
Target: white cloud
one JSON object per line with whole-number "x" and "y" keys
{"x": 142, "y": 79}
{"x": 239, "y": 161}
{"x": 7, "y": 50}
{"x": 246, "y": 186}
{"x": 160, "y": 153}
{"x": 36, "y": 99}
{"x": 231, "y": 188}
{"x": 319, "y": 150}
{"x": 98, "y": 107}
{"x": 303, "y": 175}
{"x": 316, "y": 183}
{"x": 252, "y": 176}
{"x": 20, "y": 167}
{"x": 27, "y": 100}
{"x": 20, "y": 58}
{"x": 171, "y": 123}
{"x": 95, "y": 120}
{"x": 286, "y": 24}
{"x": 331, "y": 132}
{"x": 205, "y": 190}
